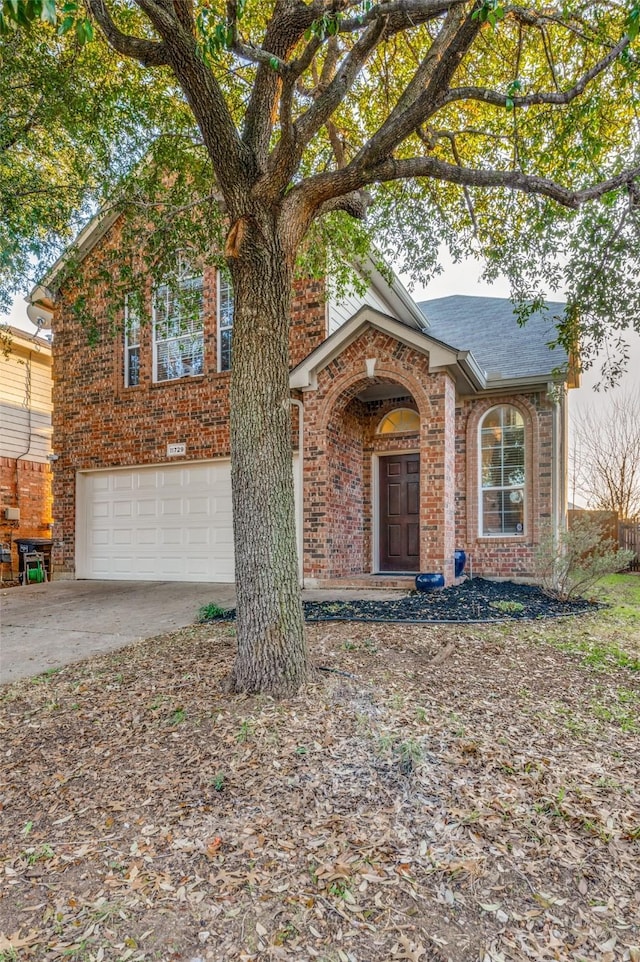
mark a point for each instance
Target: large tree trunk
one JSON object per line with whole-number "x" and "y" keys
{"x": 272, "y": 654}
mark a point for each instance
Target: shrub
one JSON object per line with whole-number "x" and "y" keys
{"x": 570, "y": 564}
{"x": 211, "y": 612}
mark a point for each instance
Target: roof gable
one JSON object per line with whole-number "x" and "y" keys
{"x": 304, "y": 376}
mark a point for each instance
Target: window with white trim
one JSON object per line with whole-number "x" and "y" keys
{"x": 178, "y": 327}
{"x": 502, "y": 472}
{"x": 131, "y": 342}
{"x": 225, "y": 320}
{"x": 400, "y": 421}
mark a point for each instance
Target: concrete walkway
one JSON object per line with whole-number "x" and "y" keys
{"x": 51, "y": 625}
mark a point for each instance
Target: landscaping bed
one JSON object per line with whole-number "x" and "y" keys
{"x": 475, "y": 600}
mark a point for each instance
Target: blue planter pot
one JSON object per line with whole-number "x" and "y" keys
{"x": 429, "y": 582}
{"x": 459, "y": 560}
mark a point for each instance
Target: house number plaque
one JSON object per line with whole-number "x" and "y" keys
{"x": 175, "y": 450}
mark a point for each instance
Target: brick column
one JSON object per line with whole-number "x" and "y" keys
{"x": 438, "y": 486}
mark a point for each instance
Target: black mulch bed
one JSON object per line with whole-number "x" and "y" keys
{"x": 474, "y": 600}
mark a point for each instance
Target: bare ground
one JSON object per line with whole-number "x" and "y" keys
{"x": 462, "y": 793}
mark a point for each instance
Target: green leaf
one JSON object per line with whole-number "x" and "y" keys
{"x": 84, "y": 31}
{"x": 490, "y": 11}
{"x": 274, "y": 63}
{"x": 66, "y": 26}
{"x": 632, "y": 23}
{"x": 49, "y": 13}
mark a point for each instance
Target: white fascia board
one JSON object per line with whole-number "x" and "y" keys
{"x": 396, "y": 295}
{"x": 303, "y": 377}
{"x": 476, "y": 374}
{"x": 23, "y": 343}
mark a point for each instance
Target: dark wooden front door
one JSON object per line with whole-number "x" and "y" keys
{"x": 400, "y": 512}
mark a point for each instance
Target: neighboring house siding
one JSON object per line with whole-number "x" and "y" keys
{"x": 25, "y": 403}
{"x": 25, "y": 440}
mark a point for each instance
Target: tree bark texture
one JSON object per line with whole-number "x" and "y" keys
{"x": 271, "y": 654}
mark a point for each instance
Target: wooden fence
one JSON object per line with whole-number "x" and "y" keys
{"x": 626, "y": 533}
{"x": 629, "y": 537}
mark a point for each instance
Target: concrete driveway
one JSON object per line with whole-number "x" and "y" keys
{"x": 55, "y": 624}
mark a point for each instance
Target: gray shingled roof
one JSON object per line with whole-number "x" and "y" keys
{"x": 487, "y": 327}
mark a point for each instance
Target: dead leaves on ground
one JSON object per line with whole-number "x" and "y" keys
{"x": 486, "y": 807}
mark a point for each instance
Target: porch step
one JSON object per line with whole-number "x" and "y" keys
{"x": 384, "y": 582}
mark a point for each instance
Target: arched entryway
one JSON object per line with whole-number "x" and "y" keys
{"x": 379, "y": 462}
{"x": 372, "y": 492}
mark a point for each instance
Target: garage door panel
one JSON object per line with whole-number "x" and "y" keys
{"x": 146, "y": 509}
{"x": 198, "y": 506}
{"x": 145, "y": 537}
{"x": 198, "y": 537}
{"x": 122, "y": 482}
{"x": 171, "y": 507}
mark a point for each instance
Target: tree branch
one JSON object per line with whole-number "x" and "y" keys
{"x": 233, "y": 164}
{"x": 557, "y": 98}
{"x": 433, "y": 75}
{"x": 149, "y": 53}
{"x": 356, "y": 204}
{"x": 287, "y": 25}
{"x": 513, "y": 179}
{"x": 399, "y": 14}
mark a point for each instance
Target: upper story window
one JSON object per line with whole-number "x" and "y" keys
{"x": 131, "y": 342}
{"x": 225, "y": 320}
{"x": 400, "y": 421}
{"x": 502, "y": 472}
{"x": 178, "y": 327}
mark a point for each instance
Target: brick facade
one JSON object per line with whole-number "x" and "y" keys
{"x": 100, "y": 423}
{"x": 510, "y": 556}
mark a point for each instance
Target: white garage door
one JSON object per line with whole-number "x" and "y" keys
{"x": 165, "y": 523}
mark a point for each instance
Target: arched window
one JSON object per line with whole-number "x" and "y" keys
{"x": 400, "y": 421}
{"x": 502, "y": 472}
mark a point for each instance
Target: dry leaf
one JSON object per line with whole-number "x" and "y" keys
{"x": 16, "y": 941}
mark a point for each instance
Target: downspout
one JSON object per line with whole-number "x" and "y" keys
{"x": 559, "y": 473}
{"x": 564, "y": 458}
{"x": 300, "y": 512}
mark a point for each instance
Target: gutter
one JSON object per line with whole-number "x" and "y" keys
{"x": 520, "y": 383}
{"x": 475, "y": 374}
